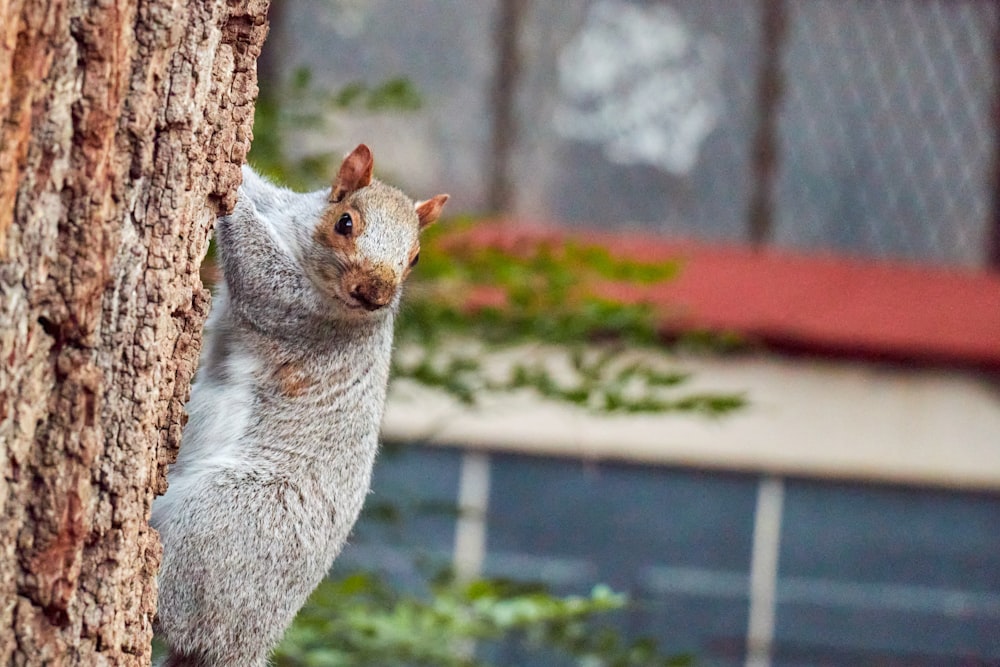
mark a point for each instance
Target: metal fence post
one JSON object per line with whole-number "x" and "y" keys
{"x": 504, "y": 101}
{"x": 770, "y": 89}
{"x": 993, "y": 224}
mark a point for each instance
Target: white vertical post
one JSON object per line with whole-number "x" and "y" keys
{"x": 473, "y": 503}
{"x": 764, "y": 571}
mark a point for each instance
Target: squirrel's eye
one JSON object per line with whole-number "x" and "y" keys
{"x": 345, "y": 225}
{"x": 416, "y": 258}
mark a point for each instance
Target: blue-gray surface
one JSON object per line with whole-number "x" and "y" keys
{"x": 677, "y": 542}
{"x": 867, "y": 575}
{"x": 869, "y": 572}
{"x": 407, "y": 528}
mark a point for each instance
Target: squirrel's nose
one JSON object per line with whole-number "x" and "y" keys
{"x": 372, "y": 295}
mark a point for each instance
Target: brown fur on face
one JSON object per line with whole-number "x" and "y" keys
{"x": 373, "y": 286}
{"x": 346, "y": 276}
{"x": 326, "y": 231}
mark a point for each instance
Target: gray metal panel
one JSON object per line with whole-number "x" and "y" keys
{"x": 886, "y": 571}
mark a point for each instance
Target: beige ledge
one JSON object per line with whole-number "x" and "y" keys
{"x": 819, "y": 419}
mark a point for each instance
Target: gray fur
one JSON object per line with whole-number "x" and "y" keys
{"x": 270, "y": 480}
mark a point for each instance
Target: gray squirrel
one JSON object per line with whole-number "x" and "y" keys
{"x": 277, "y": 456}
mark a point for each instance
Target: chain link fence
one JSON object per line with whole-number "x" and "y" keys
{"x": 887, "y": 128}
{"x": 865, "y": 127}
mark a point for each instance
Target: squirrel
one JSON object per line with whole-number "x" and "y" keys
{"x": 285, "y": 410}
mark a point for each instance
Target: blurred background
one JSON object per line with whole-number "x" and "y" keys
{"x": 821, "y": 179}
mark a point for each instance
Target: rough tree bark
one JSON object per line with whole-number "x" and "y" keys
{"x": 122, "y": 127}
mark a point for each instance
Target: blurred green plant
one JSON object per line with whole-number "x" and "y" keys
{"x": 543, "y": 293}
{"x": 302, "y": 105}
{"x": 359, "y": 620}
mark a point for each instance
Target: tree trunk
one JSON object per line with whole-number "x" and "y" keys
{"x": 122, "y": 128}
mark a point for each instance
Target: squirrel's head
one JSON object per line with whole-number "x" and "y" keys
{"x": 368, "y": 238}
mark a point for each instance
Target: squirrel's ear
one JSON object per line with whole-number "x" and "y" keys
{"x": 430, "y": 210}
{"x": 355, "y": 173}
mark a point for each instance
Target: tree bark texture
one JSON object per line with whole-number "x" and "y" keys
{"x": 122, "y": 127}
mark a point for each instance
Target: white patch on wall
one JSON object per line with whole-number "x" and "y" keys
{"x": 347, "y": 18}
{"x": 640, "y": 83}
